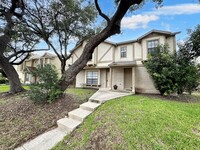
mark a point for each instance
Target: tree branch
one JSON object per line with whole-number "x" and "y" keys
{"x": 100, "y": 12}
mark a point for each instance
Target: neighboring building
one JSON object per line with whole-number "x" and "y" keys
{"x": 24, "y": 70}
{"x": 121, "y": 63}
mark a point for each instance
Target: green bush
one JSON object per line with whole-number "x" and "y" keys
{"x": 162, "y": 68}
{"x": 3, "y": 80}
{"x": 46, "y": 89}
{"x": 173, "y": 72}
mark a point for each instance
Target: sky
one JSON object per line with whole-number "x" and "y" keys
{"x": 174, "y": 16}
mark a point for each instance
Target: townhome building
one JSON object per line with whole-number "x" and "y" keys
{"x": 121, "y": 65}
{"x": 113, "y": 66}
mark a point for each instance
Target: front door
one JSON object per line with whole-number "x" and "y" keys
{"x": 128, "y": 78}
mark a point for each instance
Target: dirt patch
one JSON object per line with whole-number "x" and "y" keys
{"x": 181, "y": 98}
{"x": 21, "y": 119}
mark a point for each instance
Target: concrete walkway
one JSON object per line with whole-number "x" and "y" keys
{"x": 103, "y": 95}
{"x": 66, "y": 125}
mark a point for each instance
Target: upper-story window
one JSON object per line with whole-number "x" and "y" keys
{"x": 123, "y": 52}
{"x": 152, "y": 46}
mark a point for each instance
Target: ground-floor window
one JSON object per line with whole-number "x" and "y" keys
{"x": 92, "y": 78}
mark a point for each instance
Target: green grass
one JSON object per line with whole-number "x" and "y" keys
{"x": 6, "y": 88}
{"x": 138, "y": 122}
{"x": 80, "y": 93}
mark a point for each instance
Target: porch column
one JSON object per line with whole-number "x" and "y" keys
{"x": 133, "y": 80}
{"x": 111, "y": 70}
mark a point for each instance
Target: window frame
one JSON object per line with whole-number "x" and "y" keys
{"x": 123, "y": 51}
{"x": 151, "y": 49}
{"x": 27, "y": 76}
{"x": 93, "y": 78}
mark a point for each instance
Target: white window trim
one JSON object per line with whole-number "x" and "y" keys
{"x": 98, "y": 77}
{"x": 154, "y": 39}
{"x": 125, "y": 47}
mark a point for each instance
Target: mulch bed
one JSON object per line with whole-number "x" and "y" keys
{"x": 22, "y": 120}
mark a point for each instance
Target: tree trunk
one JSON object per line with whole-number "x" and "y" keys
{"x": 9, "y": 70}
{"x": 113, "y": 27}
{"x": 63, "y": 65}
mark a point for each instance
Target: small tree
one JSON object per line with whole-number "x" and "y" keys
{"x": 46, "y": 90}
{"x": 162, "y": 68}
{"x": 187, "y": 71}
{"x": 173, "y": 72}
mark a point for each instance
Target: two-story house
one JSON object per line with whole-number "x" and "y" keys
{"x": 121, "y": 63}
{"x": 29, "y": 65}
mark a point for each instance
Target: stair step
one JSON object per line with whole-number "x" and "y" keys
{"x": 95, "y": 101}
{"x": 68, "y": 124}
{"x": 90, "y": 106}
{"x": 79, "y": 114}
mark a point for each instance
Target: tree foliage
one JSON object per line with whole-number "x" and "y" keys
{"x": 46, "y": 89}
{"x": 60, "y": 22}
{"x": 173, "y": 72}
{"x": 191, "y": 47}
{"x": 162, "y": 68}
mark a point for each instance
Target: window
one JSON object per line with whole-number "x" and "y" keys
{"x": 152, "y": 46}
{"x": 123, "y": 52}
{"x": 92, "y": 78}
{"x": 27, "y": 77}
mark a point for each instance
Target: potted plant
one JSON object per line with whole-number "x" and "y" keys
{"x": 115, "y": 87}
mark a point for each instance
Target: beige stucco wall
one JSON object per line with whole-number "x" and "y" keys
{"x": 143, "y": 81}
{"x": 137, "y": 51}
{"x": 161, "y": 39}
{"x": 104, "y": 52}
{"x": 171, "y": 43}
{"x": 129, "y": 53}
{"x": 56, "y": 62}
{"x": 80, "y": 78}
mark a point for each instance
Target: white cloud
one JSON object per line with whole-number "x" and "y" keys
{"x": 142, "y": 21}
{"x": 181, "y": 9}
{"x": 138, "y": 21}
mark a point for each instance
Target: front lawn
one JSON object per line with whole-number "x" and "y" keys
{"x": 21, "y": 119}
{"x": 6, "y": 88}
{"x": 138, "y": 122}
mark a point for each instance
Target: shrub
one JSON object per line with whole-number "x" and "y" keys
{"x": 3, "y": 80}
{"x": 46, "y": 90}
{"x": 162, "y": 68}
{"x": 172, "y": 72}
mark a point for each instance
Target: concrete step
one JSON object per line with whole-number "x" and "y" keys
{"x": 44, "y": 141}
{"x": 68, "y": 124}
{"x": 95, "y": 101}
{"x": 90, "y": 106}
{"x": 79, "y": 114}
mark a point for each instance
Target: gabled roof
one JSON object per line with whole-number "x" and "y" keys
{"x": 48, "y": 55}
{"x": 167, "y": 33}
{"x": 81, "y": 43}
